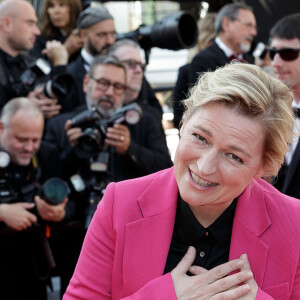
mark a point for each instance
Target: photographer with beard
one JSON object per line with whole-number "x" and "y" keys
{"x": 97, "y": 30}
{"x": 135, "y": 150}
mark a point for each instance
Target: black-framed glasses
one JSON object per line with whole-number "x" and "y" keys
{"x": 104, "y": 84}
{"x": 287, "y": 54}
{"x": 132, "y": 64}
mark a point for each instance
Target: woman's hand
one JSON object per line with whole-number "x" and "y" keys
{"x": 251, "y": 282}
{"x": 57, "y": 53}
{"x": 215, "y": 283}
{"x": 73, "y": 42}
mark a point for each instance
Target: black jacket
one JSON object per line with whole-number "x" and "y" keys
{"x": 148, "y": 151}
{"x": 288, "y": 178}
{"x": 209, "y": 59}
{"x": 11, "y": 85}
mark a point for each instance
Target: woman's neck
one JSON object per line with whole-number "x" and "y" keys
{"x": 208, "y": 214}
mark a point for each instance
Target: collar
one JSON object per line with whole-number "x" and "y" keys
{"x": 228, "y": 52}
{"x": 88, "y": 58}
{"x": 12, "y": 59}
{"x": 295, "y": 104}
{"x": 192, "y": 230}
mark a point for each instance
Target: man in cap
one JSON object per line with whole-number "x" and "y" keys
{"x": 97, "y": 31}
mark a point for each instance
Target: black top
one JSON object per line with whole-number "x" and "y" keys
{"x": 212, "y": 243}
{"x": 40, "y": 44}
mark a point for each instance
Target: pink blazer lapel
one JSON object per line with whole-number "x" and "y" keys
{"x": 250, "y": 221}
{"x": 147, "y": 240}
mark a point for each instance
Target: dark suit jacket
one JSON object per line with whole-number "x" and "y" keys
{"x": 180, "y": 93}
{"x": 289, "y": 176}
{"x": 77, "y": 70}
{"x": 210, "y": 59}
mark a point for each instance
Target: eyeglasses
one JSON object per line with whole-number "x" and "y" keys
{"x": 132, "y": 64}
{"x": 104, "y": 85}
{"x": 287, "y": 54}
{"x": 247, "y": 24}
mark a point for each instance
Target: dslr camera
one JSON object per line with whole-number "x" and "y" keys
{"x": 13, "y": 190}
{"x": 94, "y": 127}
{"x": 38, "y": 74}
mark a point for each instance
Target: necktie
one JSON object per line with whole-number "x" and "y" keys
{"x": 235, "y": 57}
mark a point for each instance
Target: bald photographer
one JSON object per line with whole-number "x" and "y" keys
{"x": 29, "y": 206}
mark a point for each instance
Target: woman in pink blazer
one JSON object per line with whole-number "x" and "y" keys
{"x": 236, "y": 129}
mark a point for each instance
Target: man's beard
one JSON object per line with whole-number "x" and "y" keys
{"x": 245, "y": 47}
{"x": 105, "y": 110}
{"x": 94, "y": 51}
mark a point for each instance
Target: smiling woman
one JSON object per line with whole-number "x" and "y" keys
{"x": 195, "y": 231}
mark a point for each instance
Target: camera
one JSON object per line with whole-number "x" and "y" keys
{"x": 13, "y": 189}
{"x": 91, "y": 145}
{"x": 38, "y": 74}
{"x": 174, "y": 32}
{"x": 94, "y": 127}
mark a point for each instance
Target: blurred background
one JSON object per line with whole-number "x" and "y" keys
{"x": 162, "y": 69}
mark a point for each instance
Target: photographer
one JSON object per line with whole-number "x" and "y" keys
{"x": 97, "y": 31}
{"x": 18, "y": 32}
{"x": 25, "y": 217}
{"x": 134, "y": 150}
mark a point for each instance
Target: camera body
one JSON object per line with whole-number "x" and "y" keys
{"x": 17, "y": 186}
{"x": 38, "y": 74}
{"x": 94, "y": 127}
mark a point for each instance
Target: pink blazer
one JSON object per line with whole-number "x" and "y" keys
{"x": 126, "y": 246}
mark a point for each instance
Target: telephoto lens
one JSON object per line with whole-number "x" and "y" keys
{"x": 54, "y": 191}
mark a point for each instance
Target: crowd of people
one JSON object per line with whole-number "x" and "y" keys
{"x": 80, "y": 126}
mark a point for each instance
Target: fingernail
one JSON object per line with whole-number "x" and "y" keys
{"x": 191, "y": 250}
{"x": 246, "y": 288}
{"x": 244, "y": 257}
{"x": 249, "y": 273}
{"x": 240, "y": 263}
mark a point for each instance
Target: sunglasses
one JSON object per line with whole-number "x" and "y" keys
{"x": 287, "y": 54}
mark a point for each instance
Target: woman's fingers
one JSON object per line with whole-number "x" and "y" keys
{"x": 187, "y": 261}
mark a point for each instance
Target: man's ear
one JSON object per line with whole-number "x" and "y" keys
{"x": 1, "y": 128}
{"x": 6, "y": 24}
{"x": 225, "y": 23}
{"x": 83, "y": 33}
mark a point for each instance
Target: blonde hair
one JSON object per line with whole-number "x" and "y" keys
{"x": 255, "y": 94}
